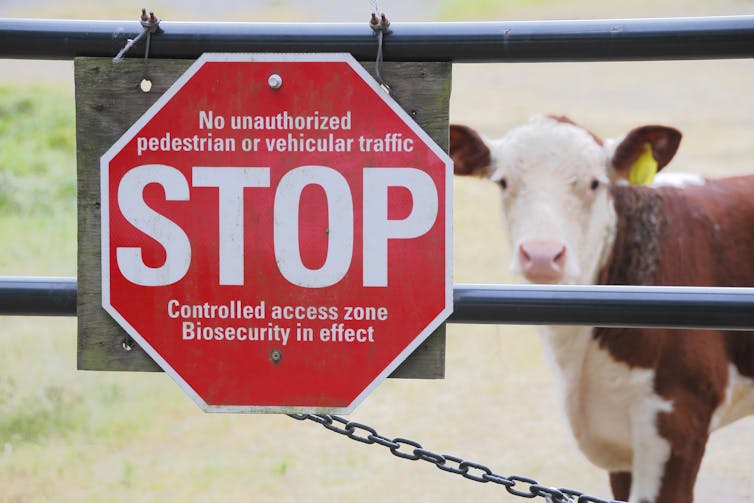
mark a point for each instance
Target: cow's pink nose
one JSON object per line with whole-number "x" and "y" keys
{"x": 542, "y": 261}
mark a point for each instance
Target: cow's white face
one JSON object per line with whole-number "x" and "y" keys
{"x": 554, "y": 178}
{"x": 556, "y": 205}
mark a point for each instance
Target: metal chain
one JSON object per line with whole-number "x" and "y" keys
{"x": 405, "y": 448}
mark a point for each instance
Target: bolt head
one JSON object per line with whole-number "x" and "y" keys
{"x": 275, "y": 81}
{"x": 275, "y": 356}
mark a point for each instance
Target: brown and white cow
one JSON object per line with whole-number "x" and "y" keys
{"x": 640, "y": 402}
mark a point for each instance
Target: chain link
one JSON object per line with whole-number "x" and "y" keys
{"x": 523, "y": 487}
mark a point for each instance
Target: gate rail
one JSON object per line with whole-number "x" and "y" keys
{"x": 582, "y": 40}
{"x": 647, "y": 306}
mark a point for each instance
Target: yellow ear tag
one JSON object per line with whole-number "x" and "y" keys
{"x": 643, "y": 171}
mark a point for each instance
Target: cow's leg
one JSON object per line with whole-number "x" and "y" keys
{"x": 668, "y": 452}
{"x": 650, "y": 450}
{"x": 687, "y": 431}
{"x": 680, "y": 475}
{"x": 697, "y": 388}
{"x": 620, "y": 483}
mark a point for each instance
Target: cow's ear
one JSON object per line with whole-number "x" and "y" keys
{"x": 643, "y": 152}
{"x": 469, "y": 151}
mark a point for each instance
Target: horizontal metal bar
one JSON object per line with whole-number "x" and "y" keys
{"x": 606, "y": 306}
{"x": 581, "y": 40}
{"x": 670, "y": 307}
{"x": 37, "y": 296}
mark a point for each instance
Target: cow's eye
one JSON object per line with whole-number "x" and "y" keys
{"x": 503, "y": 183}
{"x": 595, "y": 184}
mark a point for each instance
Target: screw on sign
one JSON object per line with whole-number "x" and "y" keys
{"x": 276, "y": 233}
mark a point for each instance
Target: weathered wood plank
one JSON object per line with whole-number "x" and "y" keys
{"x": 109, "y": 100}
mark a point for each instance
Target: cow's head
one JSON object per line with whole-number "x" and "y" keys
{"x": 554, "y": 178}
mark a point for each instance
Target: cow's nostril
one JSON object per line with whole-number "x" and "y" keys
{"x": 524, "y": 255}
{"x": 559, "y": 259}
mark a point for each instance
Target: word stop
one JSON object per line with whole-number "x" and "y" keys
{"x": 231, "y": 182}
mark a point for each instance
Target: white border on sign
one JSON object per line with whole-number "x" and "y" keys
{"x": 157, "y": 106}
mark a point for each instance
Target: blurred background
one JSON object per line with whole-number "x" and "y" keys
{"x": 73, "y": 436}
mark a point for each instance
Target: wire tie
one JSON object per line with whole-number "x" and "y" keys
{"x": 150, "y": 24}
{"x": 381, "y": 27}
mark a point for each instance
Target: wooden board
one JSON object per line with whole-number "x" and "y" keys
{"x": 109, "y": 100}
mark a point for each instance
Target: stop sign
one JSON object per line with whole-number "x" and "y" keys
{"x": 276, "y": 233}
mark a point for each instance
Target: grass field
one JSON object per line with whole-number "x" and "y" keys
{"x": 69, "y": 436}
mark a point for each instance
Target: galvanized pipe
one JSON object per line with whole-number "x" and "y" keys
{"x": 37, "y": 296}
{"x": 669, "y": 307}
{"x": 672, "y": 307}
{"x": 583, "y": 40}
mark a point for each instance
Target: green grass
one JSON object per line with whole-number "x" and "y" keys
{"x": 462, "y": 10}
{"x": 37, "y": 181}
{"x": 41, "y": 402}
{"x": 486, "y": 10}
{"x": 37, "y": 152}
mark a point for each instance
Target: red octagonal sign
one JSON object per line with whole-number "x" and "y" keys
{"x": 276, "y": 233}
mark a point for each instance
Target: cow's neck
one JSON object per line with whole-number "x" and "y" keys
{"x": 565, "y": 348}
{"x": 635, "y": 248}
